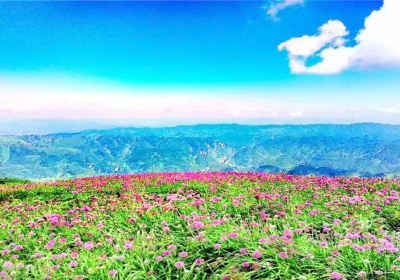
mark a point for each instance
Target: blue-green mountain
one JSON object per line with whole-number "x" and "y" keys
{"x": 368, "y": 150}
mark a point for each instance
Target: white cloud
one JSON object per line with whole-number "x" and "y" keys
{"x": 277, "y": 6}
{"x": 391, "y": 110}
{"x": 69, "y": 99}
{"x": 377, "y": 44}
{"x": 296, "y": 114}
{"x": 331, "y": 32}
{"x": 27, "y": 98}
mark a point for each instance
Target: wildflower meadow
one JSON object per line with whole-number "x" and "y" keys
{"x": 201, "y": 226}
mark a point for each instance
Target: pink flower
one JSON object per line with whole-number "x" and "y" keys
{"x": 323, "y": 244}
{"x": 217, "y": 222}
{"x": 287, "y": 233}
{"x": 103, "y": 257}
{"x": 73, "y": 264}
{"x": 243, "y": 251}
{"x": 283, "y": 255}
{"x": 19, "y": 248}
{"x": 217, "y": 246}
{"x": 8, "y": 265}
{"x": 166, "y": 229}
{"x": 216, "y": 199}
{"x": 128, "y": 245}
{"x": 100, "y": 226}
{"x": 88, "y": 245}
{"x": 198, "y": 225}
{"x": 37, "y": 255}
{"x": 120, "y": 258}
{"x": 233, "y": 235}
{"x": 63, "y": 240}
{"x": 326, "y": 229}
{"x": 362, "y": 275}
{"x": 245, "y": 264}
{"x": 335, "y": 253}
{"x": 132, "y": 220}
{"x": 62, "y": 255}
{"x": 199, "y": 261}
{"x": 335, "y": 275}
{"x": 183, "y": 254}
{"x": 5, "y": 252}
{"x": 337, "y": 222}
{"x": 50, "y": 244}
{"x": 179, "y": 265}
{"x": 159, "y": 258}
{"x": 113, "y": 272}
{"x": 257, "y": 254}
{"x": 172, "y": 247}
{"x": 166, "y": 253}
{"x": 263, "y": 240}
{"x": 85, "y": 208}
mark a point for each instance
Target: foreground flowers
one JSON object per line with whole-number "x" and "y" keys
{"x": 212, "y": 225}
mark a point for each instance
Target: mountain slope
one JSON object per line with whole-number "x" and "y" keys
{"x": 349, "y": 150}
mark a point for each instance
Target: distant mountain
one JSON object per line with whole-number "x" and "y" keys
{"x": 369, "y": 150}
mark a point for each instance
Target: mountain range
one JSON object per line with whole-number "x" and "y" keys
{"x": 365, "y": 149}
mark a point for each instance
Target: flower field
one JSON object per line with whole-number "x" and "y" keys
{"x": 201, "y": 226}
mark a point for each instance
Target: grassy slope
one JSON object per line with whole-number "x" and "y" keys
{"x": 12, "y": 181}
{"x": 303, "y": 227}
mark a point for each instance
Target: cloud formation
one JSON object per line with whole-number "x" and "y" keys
{"x": 377, "y": 44}
{"x": 50, "y": 98}
{"x": 277, "y": 6}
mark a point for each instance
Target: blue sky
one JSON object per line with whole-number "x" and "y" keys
{"x": 138, "y": 52}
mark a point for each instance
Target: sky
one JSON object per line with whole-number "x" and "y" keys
{"x": 278, "y": 61}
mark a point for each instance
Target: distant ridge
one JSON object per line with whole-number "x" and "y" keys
{"x": 361, "y": 149}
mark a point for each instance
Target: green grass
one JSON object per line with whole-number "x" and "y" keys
{"x": 271, "y": 214}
